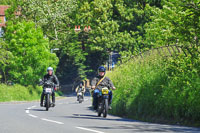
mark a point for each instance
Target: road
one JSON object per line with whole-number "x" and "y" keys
{"x": 71, "y": 117}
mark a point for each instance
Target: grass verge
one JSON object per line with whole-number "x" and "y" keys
{"x": 20, "y": 93}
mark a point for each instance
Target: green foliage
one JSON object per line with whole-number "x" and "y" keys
{"x": 5, "y": 60}
{"x": 52, "y": 15}
{"x": 176, "y": 22}
{"x": 6, "y": 2}
{"x": 117, "y": 25}
{"x": 19, "y": 93}
{"x": 159, "y": 90}
{"x": 30, "y": 53}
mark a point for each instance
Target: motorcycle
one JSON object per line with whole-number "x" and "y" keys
{"x": 48, "y": 87}
{"x": 80, "y": 96}
{"x": 103, "y": 97}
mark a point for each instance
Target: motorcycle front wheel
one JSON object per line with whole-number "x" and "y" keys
{"x": 47, "y": 102}
{"x": 105, "y": 109}
{"x": 80, "y": 99}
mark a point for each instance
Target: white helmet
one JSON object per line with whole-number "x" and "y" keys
{"x": 49, "y": 69}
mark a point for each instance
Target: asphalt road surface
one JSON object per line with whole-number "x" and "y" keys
{"x": 71, "y": 117}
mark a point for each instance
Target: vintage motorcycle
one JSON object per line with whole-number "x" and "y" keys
{"x": 103, "y": 97}
{"x": 80, "y": 96}
{"x": 48, "y": 87}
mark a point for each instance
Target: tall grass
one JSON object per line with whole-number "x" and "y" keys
{"x": 20, "y": 93}
{"x": 158, "y": 90}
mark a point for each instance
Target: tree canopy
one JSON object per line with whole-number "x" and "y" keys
{"x": 127, "y": 27}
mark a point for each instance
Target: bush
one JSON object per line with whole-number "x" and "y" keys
{"x": 159, "y": 90}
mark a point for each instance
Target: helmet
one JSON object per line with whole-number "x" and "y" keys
{"x": 101, "y": 69}
{"x": 49, "y": 69}
{"x": 80, "y": 85}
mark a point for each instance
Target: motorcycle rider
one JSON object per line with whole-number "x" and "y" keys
{"x": 80, "y": 88}
{"x": 50, "y": 76}
{"x": 98, "y": 83}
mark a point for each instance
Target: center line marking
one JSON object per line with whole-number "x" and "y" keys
{"x": 27, "y": 111}
{"x": 51, "y": 121}
{"x": 91, "y": 130}
{"x": 32, "y": 115}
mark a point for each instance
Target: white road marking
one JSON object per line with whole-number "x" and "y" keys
{"x": 27, "y": 111}
{"x": 91, "y": 130}
{"x": 32, "y": 115}
{"x": 33, "y": 106}
{"x": 51, "y": 121}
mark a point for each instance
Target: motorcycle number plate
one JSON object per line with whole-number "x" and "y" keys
{"x": 105, "y": 91}
{"x": 48, "y": 90}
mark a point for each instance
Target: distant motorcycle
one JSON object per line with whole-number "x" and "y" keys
{"x": 48, "y": 87}
{"x": 80, "y": 90}
{"x": 80, "y": 96}
{"x": 103, "y": 102}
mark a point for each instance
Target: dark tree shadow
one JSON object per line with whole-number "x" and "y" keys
{"x": 132, "y": 125}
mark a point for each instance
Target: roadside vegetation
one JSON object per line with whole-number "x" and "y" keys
{"x": 19, "y": 93}
{"x": 159, "y": 89}
{"x": 12, "y": 93}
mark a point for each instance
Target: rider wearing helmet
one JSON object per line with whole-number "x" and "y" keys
{"x": 80, "y": 88}
{"x": 106, "y": 82}
{"x": 50, "y": 76}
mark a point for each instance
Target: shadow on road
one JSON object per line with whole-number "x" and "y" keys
{"x": 132, "y": 125}
{"x": 37, "y": 109}
{"x": 91, "y": 117}
{"x": 137, "y": 127}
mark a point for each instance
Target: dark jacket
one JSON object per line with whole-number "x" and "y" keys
{"x": 105, "y": 83}
{"x": 52, "y": 78}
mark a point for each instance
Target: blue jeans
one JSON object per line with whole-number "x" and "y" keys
{"x": 95, "y": 98}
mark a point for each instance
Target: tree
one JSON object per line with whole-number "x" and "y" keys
{"x": 30, "y": 50}
{"x": 176, "y": 22}
{"x": 6, "y": 58}
{"x": 52, "y": 15}
{"x": 117, "y": 25}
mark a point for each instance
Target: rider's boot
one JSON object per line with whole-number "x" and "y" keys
{"x": 53, "y": 100}
{"x": 41, "y": 100}
{"x": 109, "y": 105}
